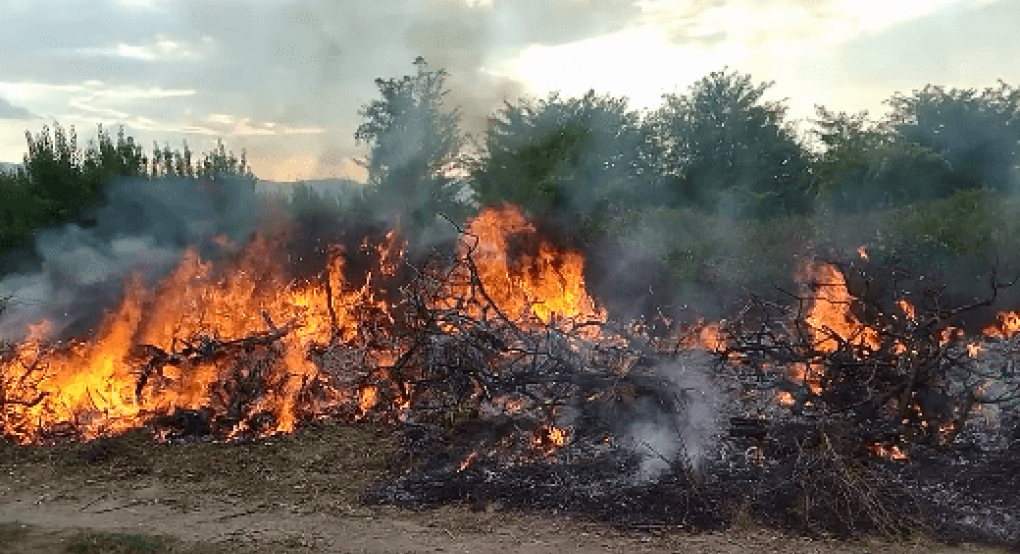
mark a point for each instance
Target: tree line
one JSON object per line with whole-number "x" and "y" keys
{"x": 59, "y": 180}
{"x": 719, "y": 147}
{"x": 576, "y": 163}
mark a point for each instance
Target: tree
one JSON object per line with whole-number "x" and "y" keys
{"x": 215, "y": 164}
{"x": 933, "y": 144}
{"x": 61, "y": 183}
{"x": 722, "y": 148}
{"x": 52, "y": 171}
{"x": 566, "y": 160}
{"x": 414, "y": 144}
{"x": 977, "y": 134}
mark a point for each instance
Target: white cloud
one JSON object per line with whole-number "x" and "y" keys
{"x": 797, "y": 43}
{"x": 160, "y": 48}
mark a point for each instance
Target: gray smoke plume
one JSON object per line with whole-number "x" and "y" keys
{"x": 685, "y": 430}
{"x": 142, "y": 228}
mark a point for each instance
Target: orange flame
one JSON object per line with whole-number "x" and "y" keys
{"x": 1007, "y": 326}
{"x": 550, "y": 438}
{"x": 367, "y": 398}
{"x": 830, "y": 312}
{"x": 537, "y": 283}
{"x": 888, "y": 451}
{"x": 138, "y": 366}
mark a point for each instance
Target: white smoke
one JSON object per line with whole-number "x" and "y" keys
{"x": 142, "y": 229}
{"x": 684, "y": 431}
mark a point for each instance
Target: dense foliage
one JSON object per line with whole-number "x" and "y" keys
{"x": 414, "y": 144}
{"x": 715, "y": 188}
{"x": 60, "y": 182}
{"x": 722, "y": 148}
{"x": 569, "y": 161}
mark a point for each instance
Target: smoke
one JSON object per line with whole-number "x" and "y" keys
{"x": 142, "y": 229}
{"x": 681, "y": 427}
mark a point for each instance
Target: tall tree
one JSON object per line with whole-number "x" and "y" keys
{"x": 978, "y": 134}
{"x": 852, "y": 147}
{"x": 566, "y": 160}
{"x": 723, "y": 148}
{"x": 414, "y": 144}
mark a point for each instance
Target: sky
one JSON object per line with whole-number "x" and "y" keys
{"x": 284, "y": 79}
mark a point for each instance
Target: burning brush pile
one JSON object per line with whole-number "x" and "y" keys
{"x": 840, "y": 408}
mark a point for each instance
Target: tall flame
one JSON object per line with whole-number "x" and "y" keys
{"x": 139, "y": 365}
{"x": 540, "y": 282}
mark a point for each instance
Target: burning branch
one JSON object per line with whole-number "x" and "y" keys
{"x": 899, "y": 374}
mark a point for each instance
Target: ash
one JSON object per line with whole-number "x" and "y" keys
{"x": 779, "y": 476}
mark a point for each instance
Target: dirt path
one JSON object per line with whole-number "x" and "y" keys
{"x": 299, "y": 494}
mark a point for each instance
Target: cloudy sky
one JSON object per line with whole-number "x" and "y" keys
{"x": 284, "y": 78}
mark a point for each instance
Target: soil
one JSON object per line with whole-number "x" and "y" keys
{"x": 300, "y": 494}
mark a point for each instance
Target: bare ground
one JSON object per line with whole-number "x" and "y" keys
{"x": 299, "y": 494}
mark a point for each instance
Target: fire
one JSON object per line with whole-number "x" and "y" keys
{"x": 1007, "y": 326}
{"x": 246, "y": 330}
{"x": 95, "y": 385}
{"x": 705, "y": 336}
{"x": 907, "y": 308}
{"x": 550, "y": 438}
{"x": 862, "y": 252}
{"x": 367, "y": 398}
{"x": 888, "y": 451}
{"x": 540, "y": 282}
{"x": 829, "y": 320}
{"x": 830, "y": 313}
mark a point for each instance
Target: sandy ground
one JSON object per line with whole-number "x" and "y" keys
{"x": 299, "y": 494}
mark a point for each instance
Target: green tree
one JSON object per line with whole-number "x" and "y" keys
{"x": 933, "y": 144}
{"x": 414, "y": 145}
{"x": 978, "y": 134}
{"x": 59, "y": 182}
{"x": 852, "y": 148}
{"x": 566, "y": 160}
{"x": 722, "y": 147}
{"x": 53, "y": 173}
{"x": 216, "y": 163}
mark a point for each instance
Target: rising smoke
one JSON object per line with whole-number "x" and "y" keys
{"x": 142, "y": 229}
{"x": 681, "y": 427}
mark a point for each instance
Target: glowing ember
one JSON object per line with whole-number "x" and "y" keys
{"x": 557, "y": 436}
{"x": 467, "y": 461}
{"x": 1007, "y": 326}
{"x": 550, "y": 438}
{"x": 862, "y": 252}
{"x": 367, "y": 398}
{"x": 785, "y": 398}
{"x": 887, "y": 451}
{"x": 907, "y": 308}
{"x": 709, "y": 337}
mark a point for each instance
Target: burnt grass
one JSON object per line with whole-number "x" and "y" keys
{"x": 965, "y": 494}
{"x": 969, "y": 493}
